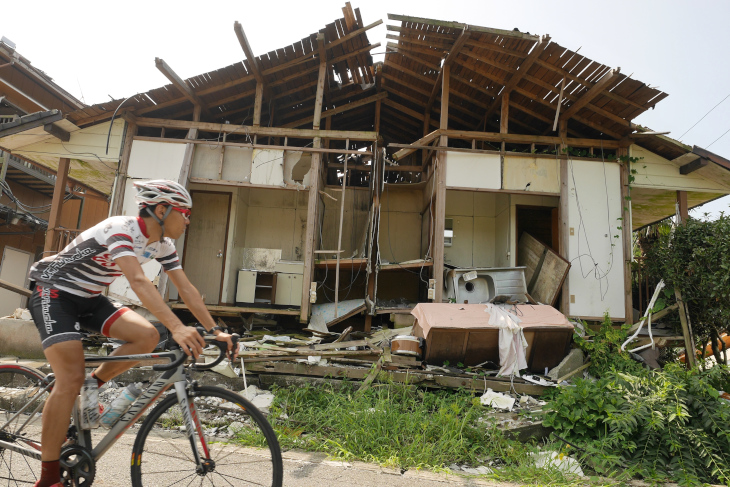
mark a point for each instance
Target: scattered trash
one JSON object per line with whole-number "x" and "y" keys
{"x": 497, "y": 400}
{"x": 559, "y": 461}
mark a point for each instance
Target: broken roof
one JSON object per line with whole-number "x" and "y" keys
{"x": 484, "y": 62}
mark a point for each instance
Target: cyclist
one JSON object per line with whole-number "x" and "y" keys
{"x": 67, "y": 296}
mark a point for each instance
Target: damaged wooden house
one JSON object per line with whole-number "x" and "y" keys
{"x": 32, "y": 110}
{"x": 472, "y": 162}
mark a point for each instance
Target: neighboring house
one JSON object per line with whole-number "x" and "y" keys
{"x": 314, "y": 151}
{"x": 27, "y": 185}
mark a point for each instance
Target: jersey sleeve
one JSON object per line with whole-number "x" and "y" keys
{"x": 118, "y": 239}
{"x": 168, "y": 256}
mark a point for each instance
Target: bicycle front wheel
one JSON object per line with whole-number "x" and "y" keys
{"x": 22, "y": 395}
{"x": 163, "y": 455}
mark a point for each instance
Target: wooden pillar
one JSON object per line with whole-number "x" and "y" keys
{"x": 121, "y": 181}
{"x": 504, "y": 117}
{"x": 564, "y": 223}
{"x": 440, "y": 181}
{"x": 189, "y": 149}
{"x": 313, "y": 203}
{"x": 683, "y": 208}
{"x": 376, "y": 177}
{"x": 59, "y": 191}
{"x": 626, "y": 235}
{"x": 376, "y": 125}
{"x": 257, "y": 104}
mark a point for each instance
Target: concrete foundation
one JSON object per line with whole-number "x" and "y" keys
{"x": 20, "y": 338}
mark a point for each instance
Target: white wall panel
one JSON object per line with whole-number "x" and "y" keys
{"x": 467, "y": 170}
{"x": 596, "y": 275}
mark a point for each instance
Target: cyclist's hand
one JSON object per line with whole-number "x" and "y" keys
{"x": 226, "y": 337}
{"x": 189, "y": 340}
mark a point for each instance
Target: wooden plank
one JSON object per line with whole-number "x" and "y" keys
{"x": 420, "y": 142}
{"x": 59, "y": 191}
{"x": 504, "y": 115}
{"x": 57, "y": 132}
{"x": 213, "y": 309}
{"x": 592, "y": 93}
{"x": 255, "y": 146}
{"x": 16, "y": 289}
{"x": 448, "y": 61}
{"x": 440, "y": 191}
{"x": 262, "y": 131}
{"x": 698, "y": 163}
{"x": 626, "y": 235}
{"x": 564, "y": 218}
{"x": 410, "y": 377}
{"x": 690, "y": 349}
{"x": 313, "y": 202}
{"x": 340, "y": 109}
{"x": 257, "y": 104}
{"x": 545, "y": 270}
{"x": 121, "y": 181}
{"x": 511, "y": 34}
{"x": 178, "y": 82}
{"x": 252, "y": 61}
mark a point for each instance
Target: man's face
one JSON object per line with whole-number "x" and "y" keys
{"x": 176, "y": 222}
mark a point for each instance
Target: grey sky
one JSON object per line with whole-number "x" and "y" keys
{"x": 94, "y": 49}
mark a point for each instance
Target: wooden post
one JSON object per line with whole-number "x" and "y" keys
{"x": 504, "y": 117}
{"x": 626, "y": 235}
{"x": 376, "y": 125}
{"x": 683, "y": 209}
{"x": 121, "y": 182}
{"x": 376, "y": 177}
{"x": 6, "y": 161}
{"x": 689, "y": 345}
{"x": 339, "y": 237}
{"x": 440, "y": 181}
{"x": 313, "y": 203}
{"x": 189, "y": 149}
{"x": 564, "y": 223}
{"x": 59, "y": 191}
{"x": 257, "y": 104}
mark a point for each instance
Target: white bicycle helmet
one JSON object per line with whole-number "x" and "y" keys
{"x": 161, "y": 191}
{"x": 156, "y": 191}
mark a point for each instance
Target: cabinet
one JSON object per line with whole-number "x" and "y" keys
{"x": 256, "y": 287}
{"x": 289, "y": 290}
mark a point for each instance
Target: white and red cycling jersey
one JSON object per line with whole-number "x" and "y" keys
{"x": 87, "y": 265}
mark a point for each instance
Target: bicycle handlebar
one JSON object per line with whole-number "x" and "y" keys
{"x": 209, "y": 339}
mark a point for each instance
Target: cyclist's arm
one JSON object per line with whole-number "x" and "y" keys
{"x": 191, "y": 297}
{"x": 188, "y": 338}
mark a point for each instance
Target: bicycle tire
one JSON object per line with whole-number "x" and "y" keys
{"x": 20, "y": 385}
{"x": 162, "y": 452}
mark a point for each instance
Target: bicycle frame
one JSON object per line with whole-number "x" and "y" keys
{"x": 174, "y": 376}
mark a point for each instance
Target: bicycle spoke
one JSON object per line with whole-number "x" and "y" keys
{"x": 237, "y": 478}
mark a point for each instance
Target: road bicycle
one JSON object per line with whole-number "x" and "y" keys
{"x": 188, "y": 438}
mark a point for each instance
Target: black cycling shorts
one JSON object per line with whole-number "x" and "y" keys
{"x": 60, "y": 316}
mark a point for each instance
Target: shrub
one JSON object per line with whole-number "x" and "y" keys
{"x": 662, "y": 425}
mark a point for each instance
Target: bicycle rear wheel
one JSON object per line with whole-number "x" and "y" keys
{"x": 20, "y": 388}
{"x": 162, "y": 453}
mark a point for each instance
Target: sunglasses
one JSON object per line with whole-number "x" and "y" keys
{"x": 185, "y": 212}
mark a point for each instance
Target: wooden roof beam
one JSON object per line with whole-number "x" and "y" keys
{"x": 448, "y": 61}
{"x": 456, "y": 25}
{"x": 341, "y": 109}
{"x": 517, "y": 76}
{"x": 252, "y": 61}
{"x": 178, "y": 82}
{"x": 601, "y": 85}
{"x": 691, "y": 167}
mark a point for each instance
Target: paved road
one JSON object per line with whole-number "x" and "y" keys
{"x": 300, "y": 469}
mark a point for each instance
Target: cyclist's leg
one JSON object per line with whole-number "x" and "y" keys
{"x": 67, "y": 361}
{"x": 123, "y": 324}
{"x": 55, "y": 314}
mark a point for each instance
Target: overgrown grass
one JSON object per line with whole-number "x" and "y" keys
{"x": 393, "y": 425}
{"x": 404, "y": 427}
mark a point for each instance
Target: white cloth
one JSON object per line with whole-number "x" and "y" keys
{"x": 512, "y": 342}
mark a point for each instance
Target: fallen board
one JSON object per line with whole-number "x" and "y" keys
{"x": 545, "y": 270}
{"x": 424, "y": 379}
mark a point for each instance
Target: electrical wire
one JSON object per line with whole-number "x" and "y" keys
{"x": 703, "y": 117}
{"x": 720, "y": 137}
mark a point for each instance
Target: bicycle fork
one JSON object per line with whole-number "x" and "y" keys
{"x": 193, "y": 427}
